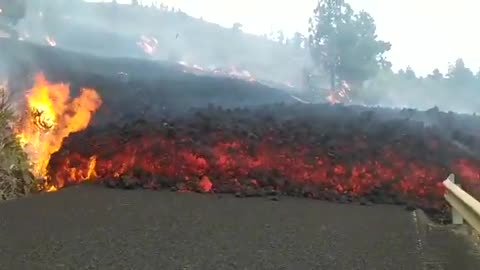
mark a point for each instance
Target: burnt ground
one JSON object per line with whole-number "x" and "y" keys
{"x": 89, "y": 227}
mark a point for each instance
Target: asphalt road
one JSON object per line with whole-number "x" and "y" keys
{"x": 92, "y": 227}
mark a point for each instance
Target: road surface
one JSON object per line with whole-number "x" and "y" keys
{"x": 92, "y": 227}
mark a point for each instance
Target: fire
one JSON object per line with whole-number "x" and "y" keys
{"x": 232, "y": 72}
{"x": 49, "y": 117}
{"x": 50, "y": 41}
{"x": 240, "y": 73}
{"x": 340, "y": 95}
{"x": 148, "y": 44}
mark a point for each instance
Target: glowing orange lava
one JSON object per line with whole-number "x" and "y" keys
{"x": 49, "y": 117}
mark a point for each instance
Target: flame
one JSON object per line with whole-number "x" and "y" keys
{"x": 148, "y": 44}
{"x": 232, "y": 71}
{"x": 51, "y": 189}
{"x": 51, "y": 116}
{"x": 51, "y": 41}
{"x": 340, "y": 95}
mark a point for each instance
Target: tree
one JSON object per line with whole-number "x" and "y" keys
{"x": 280, "y": 37}
{"x": 435, "y": 75}
{"x": 237, "y": 27}
{"x": 345, "y": 43}
{"x": 477, "y": 75}
{"x": 459, "y": 74}
{"x": 461, "y": 81}
{"x": 135, "y": 3}
{"x": 409, "y": 74}
{"x": 297, "y": 40}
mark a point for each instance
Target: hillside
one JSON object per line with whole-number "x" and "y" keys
{"x": 114, "y": 30}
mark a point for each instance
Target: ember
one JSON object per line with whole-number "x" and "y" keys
{"x": 262, "y": 151}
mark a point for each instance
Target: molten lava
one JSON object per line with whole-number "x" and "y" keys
{"x": 49, "y": 117}
{"x": 228, "y": 162}
{"x": 228, "y": 151}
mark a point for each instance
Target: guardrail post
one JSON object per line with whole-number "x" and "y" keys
{"x": 456, "y": 216}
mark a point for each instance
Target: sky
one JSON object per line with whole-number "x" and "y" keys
{"x": 425, "y": 34}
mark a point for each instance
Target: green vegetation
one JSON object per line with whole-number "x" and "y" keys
{"x": 344, "y": 47}
{"x": 344, "y": 43}
{"x": 15, "y": 178}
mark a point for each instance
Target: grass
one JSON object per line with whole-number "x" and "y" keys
{"x": 15, "y": 178}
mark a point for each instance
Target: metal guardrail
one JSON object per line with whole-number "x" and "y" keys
{"x": 464, "y": 206}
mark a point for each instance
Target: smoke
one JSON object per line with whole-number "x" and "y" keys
{"x": 419, "y": 93}
{"x": 158, "y": 34}
{"x": 131, "y": 88}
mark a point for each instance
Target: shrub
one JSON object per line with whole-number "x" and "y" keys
{"x": 15, "y": 177}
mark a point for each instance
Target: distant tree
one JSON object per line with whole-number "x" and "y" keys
{"x": 271, "y": 35}
{"x": 297, "y": 40}
{"x": 237, "y": 27}
{"x": 345, "y": 43}
{"x": 409, "y": 74}
{"x": 135, "y": 2}
{"x": 280, "y": 37}
{"x": 477, "y": 75}
{"x": 435, "y": 75}
{"x": 461, "y": 82}
{"x": 459, "y": 74}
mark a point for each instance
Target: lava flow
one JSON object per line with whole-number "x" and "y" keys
{"x": 318, "y": 151}
{"x": 50, "y": 116}
{"x": 240, "y": 152}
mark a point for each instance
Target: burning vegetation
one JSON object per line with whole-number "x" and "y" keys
{"x": 49, "y": 117}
